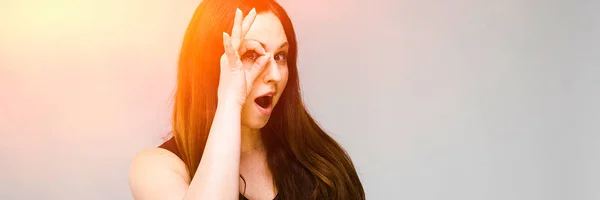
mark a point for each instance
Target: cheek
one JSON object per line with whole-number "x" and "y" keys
{"x": 284, "y": 79}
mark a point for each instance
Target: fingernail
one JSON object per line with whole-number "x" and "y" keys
{"x": 238, "y": 10}
{"x": 253, "y": 11}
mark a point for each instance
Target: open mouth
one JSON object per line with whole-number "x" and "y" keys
{"x": 264, "y": 101}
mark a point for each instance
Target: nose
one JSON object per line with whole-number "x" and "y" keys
{"x": 271, "y": 72}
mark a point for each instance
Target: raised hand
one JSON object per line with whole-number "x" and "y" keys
{"x": 235, "y": 81}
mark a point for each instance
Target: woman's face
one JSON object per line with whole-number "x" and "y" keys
{"x": 269, "y": 85}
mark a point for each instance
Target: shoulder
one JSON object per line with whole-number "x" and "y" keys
{"x": 158, "y": 158}
{"x": 157, "y": 173}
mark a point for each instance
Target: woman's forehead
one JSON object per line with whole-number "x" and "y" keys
{"x": 267, "y": 29}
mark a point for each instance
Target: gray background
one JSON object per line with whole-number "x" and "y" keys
{"x": 432, "y": 99}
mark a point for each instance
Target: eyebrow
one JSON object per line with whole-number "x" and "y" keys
{"x": 265, "y": 46}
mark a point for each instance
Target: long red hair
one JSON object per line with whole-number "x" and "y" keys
{"x": 305, "y": 162}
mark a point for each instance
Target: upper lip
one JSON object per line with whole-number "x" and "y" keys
{"x": 270, "y": 93}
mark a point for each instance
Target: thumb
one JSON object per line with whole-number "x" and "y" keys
{"x": 258, "y": 66}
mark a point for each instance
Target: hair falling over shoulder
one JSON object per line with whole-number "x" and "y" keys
{"x": 305, "y": 162}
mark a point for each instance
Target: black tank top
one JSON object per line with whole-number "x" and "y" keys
{"x": 172, "y": 147}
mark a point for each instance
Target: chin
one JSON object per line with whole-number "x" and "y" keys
{"x": 256, "y": 112}
{"x": 254, "y": 123}
{"x": 252, "y": 119}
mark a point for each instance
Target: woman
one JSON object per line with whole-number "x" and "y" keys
{"x": 240, "y": 129}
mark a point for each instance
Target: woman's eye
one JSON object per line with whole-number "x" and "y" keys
{"x": 281, "y": 57}
{"x": 251, "y": 55}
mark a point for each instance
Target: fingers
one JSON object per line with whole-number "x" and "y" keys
{"x": 247, "y": 23}
{"x": 232, "y": 43}
{"x": 258, "y": 66}
{"x": 236, "y": 32}
{"x": 252, "y": 45}
{"x": 232, "y": 56}
{"x": 241, "y": 25}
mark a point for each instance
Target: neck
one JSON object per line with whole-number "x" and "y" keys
{"x": 251, "y": 141}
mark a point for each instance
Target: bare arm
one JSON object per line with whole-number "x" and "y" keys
{"x": 218, "y": 173}
{"x": 160, "y": 174}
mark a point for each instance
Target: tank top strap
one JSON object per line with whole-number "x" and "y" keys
{"x": 171, "y": 146}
